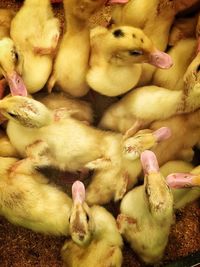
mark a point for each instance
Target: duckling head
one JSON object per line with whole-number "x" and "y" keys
{"x": 131, "y": 45}
{"x": 81, "y": 222}
{"x": 158, "y": 194}
{"x": 25, "y": 111}
{"x": 142, "y": 140}
{"x": 8, "y": 64}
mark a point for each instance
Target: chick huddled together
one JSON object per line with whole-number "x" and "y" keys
{"x": 148, "y": 115}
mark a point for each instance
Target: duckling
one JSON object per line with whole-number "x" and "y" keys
{"x": 156, "y": 20}
{"x": 70, "y": 74}
{"x": 36, "y": 42}
{"x": 185, "y": 132}
{"x": 112, "y": 182}
{"x": 82, "y": 110}
{"x": 7, "y": 150}
{"x": 182, "y": 28}
{"x": 184, "y": 52}
{"x": 80, "y": 146}
{"x": 29, "y": 200}
{"x": 105, "y": 247}
{"x": 115, "y": 54}
{"x": 147, "y": 213}
{"x": 9, "y": 57}
{"x": 182, "y": 197}
{"x": 141, "y": 107}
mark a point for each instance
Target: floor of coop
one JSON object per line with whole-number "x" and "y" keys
{"x": 23, "y": 248}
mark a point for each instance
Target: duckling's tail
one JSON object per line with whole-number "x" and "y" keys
{"x": 51, "y": 82}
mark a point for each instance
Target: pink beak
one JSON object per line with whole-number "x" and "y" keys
{"x": 160, "y": 60}
{"x": 149, "y": 162}
{"x": 78, "y": 192}
{"x": 180, "y": 180}
{"x": 16, "y": 84}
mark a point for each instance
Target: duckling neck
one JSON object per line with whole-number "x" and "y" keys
{"x": 75, "y": 25}
{"x": 159, "y": 196}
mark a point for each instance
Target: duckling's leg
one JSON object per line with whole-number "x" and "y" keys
{"x": 3, "y": 84}
{"x": 39, "y": 153}
{"x": 138, "y": 124}
{"x": 51, "y": 82}
{"x": 122, "y": 185}
{"x": 98, "y": 164}
{"x": 125, "y": 222}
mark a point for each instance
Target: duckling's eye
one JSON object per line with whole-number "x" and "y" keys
{"x": 198, "y": 68}
{"x": 135, "y": 52}
{"x": 15, "y": 55}
{"x": 87, "y": 218}
{"x": 12, "y": 115}
{"x": 118, "y": 33}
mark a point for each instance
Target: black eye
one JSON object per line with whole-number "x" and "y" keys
{"x": 118, "y": 33}
{"x": 12, "y": 115}
{"x": 198, "y": 68}
{"x": 16, "y": 56}
{"x": 135, "y": 52}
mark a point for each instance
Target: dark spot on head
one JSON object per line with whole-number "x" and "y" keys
{"x": 118, "y": 33}
{"x": 198, "y": 68}
{"x": 135, "y": 52}
{"x": 142, "y": 40}
{"x": 134, "y": 36}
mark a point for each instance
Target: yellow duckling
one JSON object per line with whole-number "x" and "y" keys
{"x": 185, "y": 132}
{"x": 184, "y": 52}
{"x": 71, "y": 63}
{"x": 115, "y": 54}
{"x": 147, "y": 213}
{"x": 105, "y": 247}
{"x": 9, "y": 57}
{"x": 80, "y": 109}
{"x": 142, "y": 106}
{"x": 35, "y": 32}
{"x": 156, "y": 20}
{"x": 182, "y": 196}
{"x": 7, "y": 150}
{"x": 112, "y": 182}
{"x": 29, "y": 200}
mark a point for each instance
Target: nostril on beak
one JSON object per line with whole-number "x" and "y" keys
{"x": 198, "y": 68}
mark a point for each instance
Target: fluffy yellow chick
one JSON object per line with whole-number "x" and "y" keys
{"x": 185, "y": 131}
{"x": 29, "y": 200}
{"x": 71, "y": 63}
{"x": 80, "y": 109}
{"x": 147, "y": 213}
{"x": 54, "y": 138}
{"x": 184, "y": 52}
{"x": 9, "y": 57}
{"x": 35, "y": 32}
{"x": 153, "y": 17}
{"x": 182, "y": 196}
{"x": 115, "y": 54}
{"x": 112, "y": 182}
{"x": 142, "y": 106}
{"x": 105, "y": 247}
